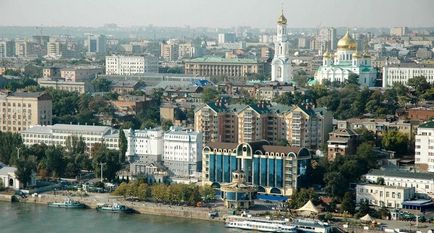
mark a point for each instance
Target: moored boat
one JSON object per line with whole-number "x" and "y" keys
{"x": 115, "y": 207}
{"x": 68, "y": 203}
{"x": 259, "y": 224}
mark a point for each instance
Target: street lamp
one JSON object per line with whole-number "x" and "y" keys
{"x": 102, "y": 164}
{"x": 18, "y": 152}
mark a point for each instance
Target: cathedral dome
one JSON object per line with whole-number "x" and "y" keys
{"x": 327, "y": 54}
{"x": 357, "y": 54}
{"x": 281, "y": 19}
{"x": 347, "y": 43}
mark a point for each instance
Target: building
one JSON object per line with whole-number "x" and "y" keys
{"x": 384, "y": 195}
{"x": 398, "y": 31}
{"x": 238, "y": 194}
{"x": 345, "y": 62}
{"x": 80, "y": 73}
{"x": 401, "y": 73}
{"x": 228, "y": 37}
{"x": 275, "y": 170}
{"x": 327, "y": 37}
{"x": 10, "y": 180}
{"x": 96, "y": 45}
{"x": 130, "y": 104}
{"x": 169, "y": 50}
{"x": 420, "y": 114}
{"x": 59, "y": 134}
{"x": 183, "y": 152}
{"x": 25, "y": 48}
{"x": 7, "y": 49}
{"x": 380, "y": 126}
{"x": 124, "y": 87}
{"x": 145, "y": 145}
{"x": 217, "y": 66}
{"x": 281, "y": 65}
{"x": 342, "y": 142}
{"x": 299, "y": 126}
{"x": 130, "y": 65}
{"x": 424, "y": 147}
{"x": 422, "y": 182}
{"x": 60, "y": 84}
{"x": 188, "y": 50}
{"x": 51, "y": 72}
{"x": 20, "y": 110}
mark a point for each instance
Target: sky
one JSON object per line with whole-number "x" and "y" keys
{"x": 217, "y": 13}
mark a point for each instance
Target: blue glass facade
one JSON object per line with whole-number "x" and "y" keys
{"x": 263, "y": 172}
{"x": 227, "y": 169}
{"x": 256, "y": 173}
{"x": 271, "y": 173}
{"x": 279, "y": 173}
{"x": 212, "y": 168}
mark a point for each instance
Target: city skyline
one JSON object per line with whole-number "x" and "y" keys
{"x": 224, "y": 13}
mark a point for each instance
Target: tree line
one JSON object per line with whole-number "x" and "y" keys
{"x": 189, "y": 194}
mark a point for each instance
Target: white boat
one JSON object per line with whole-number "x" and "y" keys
{"x": 311, "y": 226}
{"x": 259, "y": 224}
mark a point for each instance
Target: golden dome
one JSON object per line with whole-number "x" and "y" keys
{"x": 357, "y": 54}
{"x": 327, "y": 54}
{"x": 347, "y": 43}
{"x": 281, "y": 19}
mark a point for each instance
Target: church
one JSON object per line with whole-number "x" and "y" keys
{"x": 347, "y": 60}
{"x": 281, "y": 64}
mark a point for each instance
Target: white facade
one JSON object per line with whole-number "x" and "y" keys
{"x": 281, "y": 65}
{"x": 129, "y": 65}
{"x": 144, "y": 142}
{"x": 383, "y": 195}
{"x": 182, "y": 151}
{"x": 401, "y": 73}
{"x": 346, "y": 61}
{"x": 58, "y": 134}
{"x": 424, "y": 156}
{"x": 224, "y": 38}
{"x": 422, "y": 182}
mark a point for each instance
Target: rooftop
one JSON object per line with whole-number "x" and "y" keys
{"x": 401, "y": 173}
{"x": 67, "y": 127}
{"x": 7, "y": 170}
{"x": 412, "y": 65}
{"x": 223, "y": 60}
{"x": 428, "y": 124}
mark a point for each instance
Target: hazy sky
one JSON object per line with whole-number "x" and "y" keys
{"x": 217, "y": 13}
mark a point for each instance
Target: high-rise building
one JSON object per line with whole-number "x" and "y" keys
{"x": 169, "y": 50}
{"x": 20, "y": 110}
{"x": 299, "y": 126}
{"x": 228, "y": 37}
{"x": 328, "y": 38}
{"x": 130, "y": 65}
{"x": 281, "y": 65}
{"x": 25, "y": 48}
{"x": 424, "y": 147}
{"x": 398, "y": 31}
{"x": 182, "y": 152}
{"x": 7, "y": 49}
{"x": 96, "y": 45}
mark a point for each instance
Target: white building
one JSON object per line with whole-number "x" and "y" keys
{"x": 7, "y": 49}
{"x": 144, "y": 144}
{"x": 422, "y": 182}
{"x": 129, "y": 65}
{"x": 59, "y": 133}
{"x": 228, "y": 37}
{"x": 10, "y": 180}
{"x": 346, "y": 61}
{"x": 281, "y": 65}
{"x": 182, "y": 151}
{"x": 424, "y": 157}
{"x": 401, "y": 73}
{"x": 383, "y": 195}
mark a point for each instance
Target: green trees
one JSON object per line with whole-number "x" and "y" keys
{"x": 395, "y": 141}
{"x": 8, "y": 144}
{"x": 123, "y": 144}
{"x": 189, "y": 194}
{"x": 209, "y": 94}
{"x": 54, "y": 161}
{"x": 16, "y": 84}
{"x": 25, "y": 169}
{"x": 101, "y": 84}
{"x": 348, "y": 205}
{"x": 109, "y": 158}
{"x": 301, "y": 197}
{"x": 419, "y": 84}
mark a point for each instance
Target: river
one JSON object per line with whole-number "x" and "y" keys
{"x": 31, "y": 218}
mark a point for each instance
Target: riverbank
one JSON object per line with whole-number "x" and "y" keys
{"x": 149, "y": 208}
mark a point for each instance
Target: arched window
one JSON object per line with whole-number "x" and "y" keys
{"x": 279, "y": 72}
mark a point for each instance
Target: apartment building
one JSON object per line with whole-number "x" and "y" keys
{"x": 383, "y": 195}
{"x": 20, "y": 110}
{"x": 302, "y": 126}
{"x": 80, "y": 73}
{"x": 61, "y": 84}
{"x": 130, "y": 65}
{"x": 169, "y": 51}
{"x": 217, "y": 66}
{"x": 182, "y": 152}
{"x": 144, "y": 144}
{"x": 58, "y": 134}
{"x": 7, "y": 49}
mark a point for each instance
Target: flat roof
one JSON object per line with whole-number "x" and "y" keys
{"x": 222, "y": 60}
{"x": 401, "y": 173}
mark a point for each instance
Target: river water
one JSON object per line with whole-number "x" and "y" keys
{"x": 32, "y": 218}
